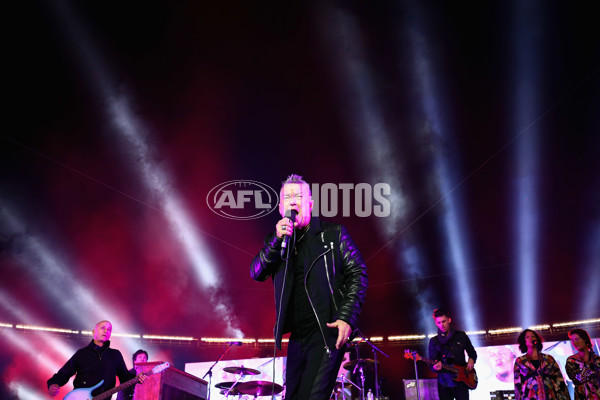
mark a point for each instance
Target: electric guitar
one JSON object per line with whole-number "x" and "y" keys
{"x": 86, "y": 393}
{"x": 462, "y": 373}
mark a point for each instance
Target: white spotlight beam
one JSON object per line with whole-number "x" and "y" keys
{"x": 51, "y": 268}
{"x": 367, "y": 124}
{"x": 590, "y": 295}
{"x": 20, "y": 313}
{"x": 370, "y": 132}
{"x": 526, "y": 103}
{"x": 133, "y": 133}
{"x": 32, "y": 352}
{"x": 432, "y": 104}
{"x": 26, "y": 392}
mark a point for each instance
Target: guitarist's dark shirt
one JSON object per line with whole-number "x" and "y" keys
{"x": 452, "y": 352}
{"x": 93, "y": 364}
{"x": 127, "y": 394}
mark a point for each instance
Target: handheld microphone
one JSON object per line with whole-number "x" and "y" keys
{"x": 291, "y": 214}
{"x": 234, "y": 343}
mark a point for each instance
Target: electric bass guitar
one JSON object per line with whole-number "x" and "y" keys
{"x": 462, "y": 373}
{"x": 86, "y": 393}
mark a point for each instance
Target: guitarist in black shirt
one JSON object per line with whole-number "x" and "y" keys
{"x": 94, "y": 363}
{"x": 448, "y": 347}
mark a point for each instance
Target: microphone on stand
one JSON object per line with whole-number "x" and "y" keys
{"x": 234, "y": 343}
{"x": 291, "y": 214}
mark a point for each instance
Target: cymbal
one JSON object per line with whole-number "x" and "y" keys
{"x": 241, "y": 370}
{"x": 259, "y": 388}
{"x": 338, "y": 385}
{"x": 362, "y": 362}
{"x": 225, "y": 386}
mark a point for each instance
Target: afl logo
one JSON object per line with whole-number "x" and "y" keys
{"x": 242, "y": 199}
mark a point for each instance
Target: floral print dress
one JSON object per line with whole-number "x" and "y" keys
{"x": 585, "y": 376}
{"x": 543, "y": 383}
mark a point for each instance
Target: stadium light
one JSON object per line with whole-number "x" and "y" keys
{"x": 174, "y": 338}
{"x": 504, "y": 330}
{"x": 227, "y": 340}
{"x": 45, "y": 329}
{"x": 575, "y": 323}
{"x": 405, "y": 337}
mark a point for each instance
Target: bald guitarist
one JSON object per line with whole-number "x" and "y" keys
{"x": 448, "y": 347}
{"x": 94, "y": 363}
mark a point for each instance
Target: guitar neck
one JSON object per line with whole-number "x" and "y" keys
{"x": 444, "y": 366}
{"x": 112, "y": 391}
{"x": 130, "y": 382}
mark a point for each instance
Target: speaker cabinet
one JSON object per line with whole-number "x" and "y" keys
{"x": 427, "y": 389}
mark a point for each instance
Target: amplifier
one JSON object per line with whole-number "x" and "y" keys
{"x": 427, "y": 389}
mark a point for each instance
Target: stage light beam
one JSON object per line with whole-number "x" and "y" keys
{"x": 49, "y": 268}
{"x": 445, "y": 170}
{"x": 590, "y": 295}
{"x": 526, "y": 71}
{"x": 133, "y": 133}
{"x": 371, "y": 134}
{"x": 26, "y": 392}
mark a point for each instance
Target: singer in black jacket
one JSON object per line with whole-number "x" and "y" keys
{"x": 320, "y": 284}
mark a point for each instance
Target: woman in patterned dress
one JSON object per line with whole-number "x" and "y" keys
{"x": 537, "y": 375}
{"x": 583, "y": 367}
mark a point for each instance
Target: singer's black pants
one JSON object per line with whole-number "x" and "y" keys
{"x": 310, "y": 371}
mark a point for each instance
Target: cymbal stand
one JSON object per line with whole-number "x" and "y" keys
{"x": 209, "y": 372}
{"x": 337, "y": 392}
{"x": 375, "y": 349}
{"x": 234, "y": 384}
{"x": 359, "y": 366}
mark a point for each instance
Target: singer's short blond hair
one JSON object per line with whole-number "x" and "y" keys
{"x": 294, "y": 178}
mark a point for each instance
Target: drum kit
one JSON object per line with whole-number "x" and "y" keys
{"x": 250, "y": 388}
{"x": 355, "y": 368}
{"x": 344, "y": 383}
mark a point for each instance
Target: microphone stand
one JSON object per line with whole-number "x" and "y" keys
{"x": 209, "y": 372}
{"x": 375, "y": 349}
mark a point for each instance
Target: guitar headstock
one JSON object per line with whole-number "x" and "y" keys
{"x": 160, "y": 368}
{"x": 411, "y": 355}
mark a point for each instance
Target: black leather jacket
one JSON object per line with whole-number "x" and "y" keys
{"x": 335, "y": 277}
